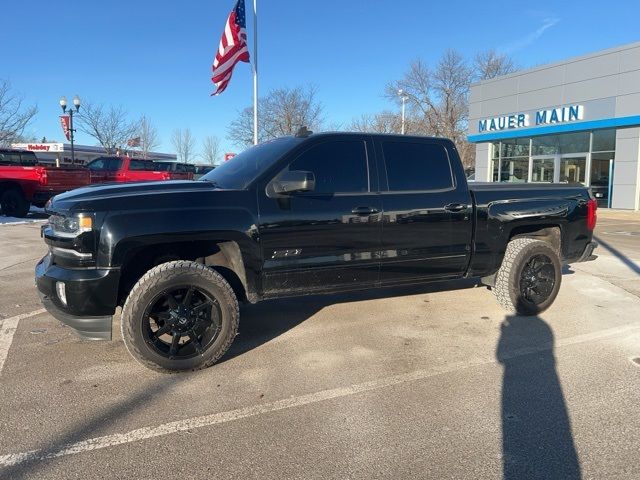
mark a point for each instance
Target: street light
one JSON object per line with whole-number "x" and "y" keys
{"x": 404, "y": 98}
{"x": 76, "y": 104}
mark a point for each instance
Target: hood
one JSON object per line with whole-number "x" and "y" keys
{"x": 132, "y": 196}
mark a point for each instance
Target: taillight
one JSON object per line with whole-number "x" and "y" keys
{"x": 42, "y": 176}
{"x": 592, "y": 207}
{"x": 166, "y": 176}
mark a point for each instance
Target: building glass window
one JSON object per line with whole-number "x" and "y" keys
{"x": 543, "y": 170}
{"x": 495, "y": 150}
{"x": 573, "y": 142}
{"x": 600, "y": 166}
{"x": 569, "y": 157}
{"x": 546, "y": 145}
{"x": 604, "y": 140}
{"x": 515, "y": 147}
{"x": 514, "y": 170}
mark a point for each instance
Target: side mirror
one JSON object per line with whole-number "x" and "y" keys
{"x": 294, "y": 181}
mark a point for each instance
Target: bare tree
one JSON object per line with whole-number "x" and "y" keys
{"x": 438, "y": 99}
{"x": 383, "y": 122}
{"x": 210, "y": 149}
{"x": 184, "y": 143}
{"x": 282, "y": 112}
{"x": 110, "y": 126}
{"x": 14, "y": 116}
{"x": 148, "y": 135}
{"x": 491, "y": 64}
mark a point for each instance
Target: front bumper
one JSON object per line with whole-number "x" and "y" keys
{"x": 91, "y": 297}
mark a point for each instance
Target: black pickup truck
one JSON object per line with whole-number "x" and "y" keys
{"x": 298, "y": 215}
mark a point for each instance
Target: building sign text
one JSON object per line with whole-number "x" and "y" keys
{"x": 569, "y": 113}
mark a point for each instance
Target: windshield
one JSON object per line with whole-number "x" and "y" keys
{"x": 241, "y": 170}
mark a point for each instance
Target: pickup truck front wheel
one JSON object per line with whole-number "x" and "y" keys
{"x": 180, "y": 316}
{"x": 13, "y": 203}
{"x": 529, "y": 278}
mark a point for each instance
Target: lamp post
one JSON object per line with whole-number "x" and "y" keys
{"x": 76, "y": 104}
{"x": 404, "y": 98}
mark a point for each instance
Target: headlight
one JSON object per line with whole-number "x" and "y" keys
{"x": 70, "y": 226}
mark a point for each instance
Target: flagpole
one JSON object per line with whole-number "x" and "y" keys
{"x": 255, "y": 72}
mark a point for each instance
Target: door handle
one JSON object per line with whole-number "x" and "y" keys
{"x": 455, "y": 207}
{"x": 364, "y": 210}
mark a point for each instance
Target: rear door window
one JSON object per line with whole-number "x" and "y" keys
{"x": 28, "y": 159}
{"x": 97, "y": 164}
{"x": 105, "y": 164}
{"x": 140, "y": 165}
{"x": 416, "y": 166}
{"x": 338, "y": 166}
{"x": 113, "y": 164}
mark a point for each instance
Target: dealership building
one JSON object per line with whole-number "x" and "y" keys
{"x": 572, "y": 121}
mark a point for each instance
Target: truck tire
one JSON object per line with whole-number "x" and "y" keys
{"x": 180, "y": 315}
{"x": 529, "y": 278}
{"x": 13, "y": 203}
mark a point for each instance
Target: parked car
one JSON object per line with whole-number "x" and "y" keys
{"x": 125, "y": 169}
{"x": 297, "y": 216}
{"x": 24, "y": 182}
{"x": 177, "y": 170}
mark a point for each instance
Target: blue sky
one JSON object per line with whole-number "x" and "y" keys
{"x": 154, "y": 57}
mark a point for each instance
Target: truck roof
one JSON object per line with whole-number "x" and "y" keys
{"x": 373, "y": 134}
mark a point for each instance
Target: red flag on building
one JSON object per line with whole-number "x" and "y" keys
{"x": 232, "y": 49}
{"x": 64, "y": 123}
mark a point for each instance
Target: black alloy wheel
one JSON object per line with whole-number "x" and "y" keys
{"x": 182, "y": 322}
{"x": 181, "y": 315}
{"x": 537, "y": 280}
{"x": 530, "y": 276}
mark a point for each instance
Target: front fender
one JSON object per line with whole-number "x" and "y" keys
{"x": 127, "y": 231}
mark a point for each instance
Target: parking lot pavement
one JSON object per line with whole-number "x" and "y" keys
{"x": 618, "y": 235}
{"x": 411, "y": 383}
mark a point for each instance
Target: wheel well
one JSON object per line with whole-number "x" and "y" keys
{"x": 9, "y": 186}
{"x": 550, "y": 234}
{"x": 224, "y": 257}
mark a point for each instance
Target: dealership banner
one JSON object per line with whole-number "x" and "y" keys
{"x": 64, "y": 123}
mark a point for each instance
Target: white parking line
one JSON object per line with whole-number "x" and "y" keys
{"x": 7, "y": 329}
{"x": 232, "y": 415}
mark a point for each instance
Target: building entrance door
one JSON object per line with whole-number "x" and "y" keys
{"x": 572, "y": 168}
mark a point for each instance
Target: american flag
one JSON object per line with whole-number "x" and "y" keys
{"x": 232, "y": 49}
{"x": 133, "y": 142}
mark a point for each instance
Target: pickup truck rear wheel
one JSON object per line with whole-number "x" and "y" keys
{"x": 529, "y": 278}
{"x": 13, "y": 203}
{"x": 179, "y": 316}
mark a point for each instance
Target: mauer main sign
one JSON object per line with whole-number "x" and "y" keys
{"x": 571, "y": 113}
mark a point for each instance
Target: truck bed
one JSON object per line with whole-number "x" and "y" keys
{"x": 502, "y": 210}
